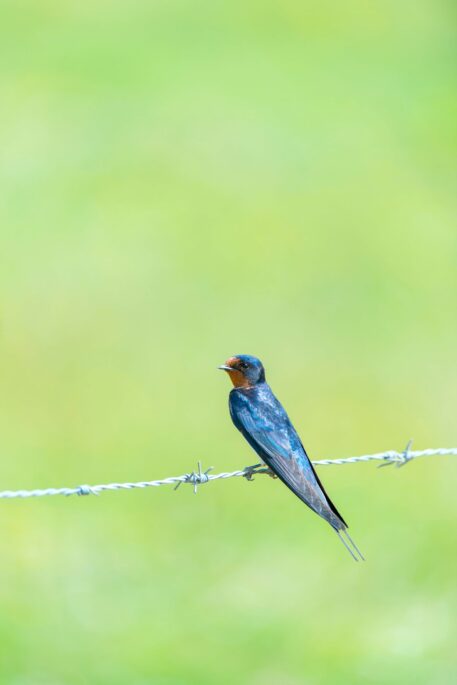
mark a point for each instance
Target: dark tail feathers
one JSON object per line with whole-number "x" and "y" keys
{"x": 350, "y": 545}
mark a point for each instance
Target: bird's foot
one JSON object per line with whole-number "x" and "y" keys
{"x": 251, "y": 471}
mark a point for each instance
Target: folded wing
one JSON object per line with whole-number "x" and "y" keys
{"x": 279, "y": 446}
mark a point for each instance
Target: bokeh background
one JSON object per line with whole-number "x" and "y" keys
{"x": 180, "y": 182}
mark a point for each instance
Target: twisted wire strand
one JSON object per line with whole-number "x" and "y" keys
{"x": 200, "y": 477}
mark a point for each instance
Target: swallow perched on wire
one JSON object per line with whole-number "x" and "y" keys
{"x": 263, "y": 421}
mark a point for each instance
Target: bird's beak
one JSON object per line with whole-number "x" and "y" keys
{"x": 224, "y": 367}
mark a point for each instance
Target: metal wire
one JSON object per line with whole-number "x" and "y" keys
{"x": 200, "y": 477}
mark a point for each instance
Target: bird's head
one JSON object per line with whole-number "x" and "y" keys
{"x": 244, "y": 371}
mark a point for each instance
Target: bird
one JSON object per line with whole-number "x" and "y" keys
{"x": 263, "y": 421}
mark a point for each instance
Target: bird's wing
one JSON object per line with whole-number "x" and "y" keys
{"x": 280, "y": 447}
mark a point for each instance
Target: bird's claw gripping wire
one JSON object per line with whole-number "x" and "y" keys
{"x": 250, "y": 471}
{"x": 196, "y": 477}
{"x": 400, "y": 459}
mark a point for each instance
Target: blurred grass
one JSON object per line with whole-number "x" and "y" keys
{"x": 181, "y": 182}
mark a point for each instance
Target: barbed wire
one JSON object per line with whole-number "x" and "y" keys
{"x": 200, "y": 477}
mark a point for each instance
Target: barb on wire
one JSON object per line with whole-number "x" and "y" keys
{"x": 200, "y": 477}
{"x": 195, "y": 478}
{"x": 404, "y": 458}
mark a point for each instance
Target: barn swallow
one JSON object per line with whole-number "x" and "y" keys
{"x": 263, "y": 421}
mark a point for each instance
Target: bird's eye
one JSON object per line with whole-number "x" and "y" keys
{"x": 243, "y": 365}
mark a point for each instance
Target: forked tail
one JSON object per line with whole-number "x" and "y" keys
{"x": 350, "y": 545}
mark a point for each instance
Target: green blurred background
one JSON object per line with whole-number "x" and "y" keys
{"x": 181, "y": 182}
